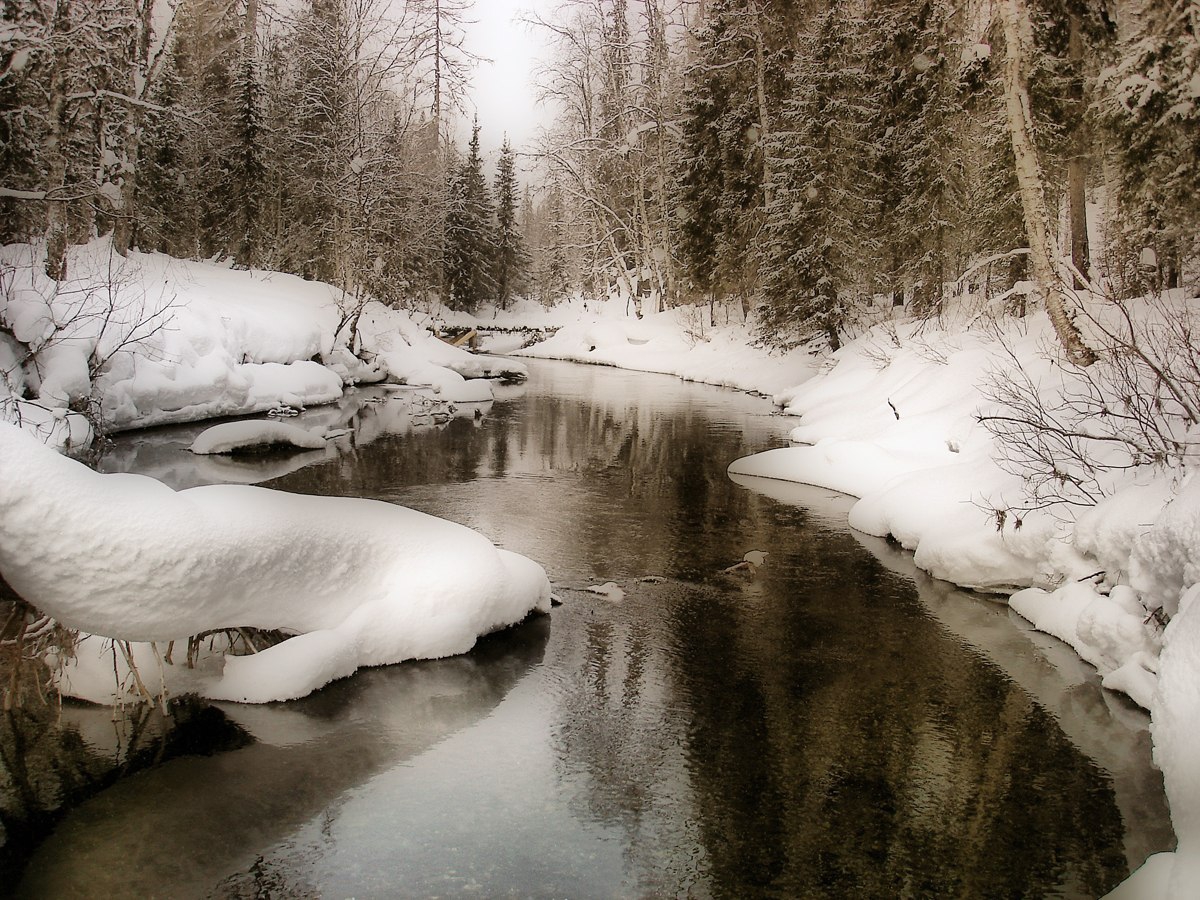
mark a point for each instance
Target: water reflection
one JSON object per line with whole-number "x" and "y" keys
{"x": 818, "y": 727}
{"x": 361, "y": 417}
{"x": 52, "y": 758}
{"x": 201, "y": 823}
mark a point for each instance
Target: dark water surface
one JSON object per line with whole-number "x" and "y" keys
{"x": 835, "y": 724}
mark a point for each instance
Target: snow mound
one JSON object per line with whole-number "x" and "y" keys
{"x": 156, "y": 340}
{"x": 682, "y": 342}
{"x": 361, "y": 582}
{"x": 230, "y": 437}
{"x": 1176, "y": 731}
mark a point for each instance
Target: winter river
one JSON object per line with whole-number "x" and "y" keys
{"x": 830, "y": 723}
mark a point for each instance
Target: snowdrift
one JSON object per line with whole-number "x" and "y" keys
{"x": 681, "y": 342}
{"x": 360, "y": 582}
{"x": 149, "y": 340}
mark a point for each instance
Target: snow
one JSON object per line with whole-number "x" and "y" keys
{"x": 894, "y": 421}
{"x": 610, "y": 591}
{"x": 360, "y": 582}
{"x": 680, "y": 342}
{"x": 152, "y": 340}
{"x": 229, "y": 437}
{"x": 1176, "y": 731}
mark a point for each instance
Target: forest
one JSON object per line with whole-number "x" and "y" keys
{"x": 815, "y": 160}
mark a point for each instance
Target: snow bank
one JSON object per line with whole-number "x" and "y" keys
{"x": 680, "y": 342}
{"x": 1176, "y": 731}
{"x": 155, "y": 340}
{"x": 360, "y": 582}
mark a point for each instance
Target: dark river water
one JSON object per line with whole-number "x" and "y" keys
{"x": 832, "y": 723}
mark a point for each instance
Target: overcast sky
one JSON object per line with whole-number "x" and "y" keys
{"x": 502, "y": 90}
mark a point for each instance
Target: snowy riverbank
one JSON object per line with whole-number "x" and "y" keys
{"x": 892, "y": 418}
{"x": 151, "y": 340}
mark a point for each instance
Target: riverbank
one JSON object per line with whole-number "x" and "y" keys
{"x": 893, "y": 418}
{"x": 143, "y": 340}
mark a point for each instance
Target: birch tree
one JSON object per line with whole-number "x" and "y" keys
{"x": 1043, "y": 245}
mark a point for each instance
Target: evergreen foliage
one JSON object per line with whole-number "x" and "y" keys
{"x": 820, "y": 152}
{"x": 1152, "y": 109}
{"x": 470, "y": 239}
{"x": 511, "y": 259}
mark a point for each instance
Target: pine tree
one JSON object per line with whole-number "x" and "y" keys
{"x": 736, "y": 87}
{"x": 249, "y": 164}
{"x": 914, "y": 157}
{"x": 511, "y": 259}
{"x": 470, "y": 233}
{"x": 1152, "y": 110}
{"x": 814, "y": 236}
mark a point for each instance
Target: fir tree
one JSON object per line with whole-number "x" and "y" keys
{"x": 814, "y": 234}
{"x": 735, "y": 89}
{"x": 470, "y": 233}
{"x": 914, "y": 157}
{"x": 511, "y": 260}
{"x": 249, "y": 164}
{"x": 1152, "y": 110}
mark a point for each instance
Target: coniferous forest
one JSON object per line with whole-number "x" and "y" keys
{"x": 812, "y": 159}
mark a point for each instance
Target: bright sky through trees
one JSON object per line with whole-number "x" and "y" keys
{"x": 502, "y": 88}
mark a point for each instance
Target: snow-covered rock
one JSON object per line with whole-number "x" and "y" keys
{"x": 230, "y": 437}
{"x": 361, "y": 582}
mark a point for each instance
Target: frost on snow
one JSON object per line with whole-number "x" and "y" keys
{"x": 360, "y": 582}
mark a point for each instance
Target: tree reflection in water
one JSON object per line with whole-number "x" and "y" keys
{"x": 811, "y": 729}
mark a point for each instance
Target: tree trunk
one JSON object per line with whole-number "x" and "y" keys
{"x": 760, "y": 89}
{"x": 56, "y": 159}
{"x": 1043, "y": 250}
{"x": 56, "y": 206}
{"x": 1077, "y": 164}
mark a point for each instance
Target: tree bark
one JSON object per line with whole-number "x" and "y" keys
{"x": 760, "y": 90}
{"x": 1043, "y": 249}
{"x": 56, "y": 159}
{"x": 1077, "y": 164}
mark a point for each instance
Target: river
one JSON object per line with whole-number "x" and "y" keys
{"x": 830, "y": 723}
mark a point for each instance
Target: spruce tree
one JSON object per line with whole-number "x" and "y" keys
{"x": 736, "y": 87}
{"x": 249, "y": 168}
{"x": 470, "y": 233}
{"x": 913, "y": 154}
{"x": 1152, "y": 110}
{"x": 511, "y": 259}
{"x": 814, "y": 235}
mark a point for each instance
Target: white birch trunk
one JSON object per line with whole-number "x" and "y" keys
{"x": 1043, "y": 247}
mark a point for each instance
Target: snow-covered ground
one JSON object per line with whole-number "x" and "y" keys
{"x": 892, "y": 419}
{"x": 358, "y": 582}
{"x": 685, "y": 341}
{"x": 150, "y": 340}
